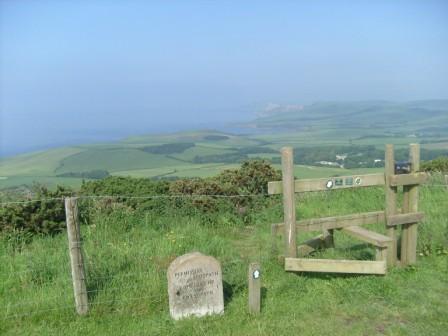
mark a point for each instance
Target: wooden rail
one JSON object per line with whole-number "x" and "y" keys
{"x": 321, "y": 184}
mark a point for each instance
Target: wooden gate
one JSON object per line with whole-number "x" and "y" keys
{"x": 407, "y": 176}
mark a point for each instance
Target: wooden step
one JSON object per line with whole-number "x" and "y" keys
{"x": 370, "y": 237}
{"x": 335, "y": 266}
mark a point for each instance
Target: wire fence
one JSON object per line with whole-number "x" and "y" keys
{"x": 53, "y": 292}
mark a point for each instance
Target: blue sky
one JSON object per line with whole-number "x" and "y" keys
{"x": 82, "y": 70}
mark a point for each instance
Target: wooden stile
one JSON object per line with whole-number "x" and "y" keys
{"x": 76, "y": 257}
{"x": 386, "y": 246}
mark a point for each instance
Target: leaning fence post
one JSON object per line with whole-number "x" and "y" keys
{"x": 289, "y": 206}
{"x": 76, "y": 259}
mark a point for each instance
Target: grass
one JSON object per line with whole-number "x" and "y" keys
{"x": 127, "y": 254}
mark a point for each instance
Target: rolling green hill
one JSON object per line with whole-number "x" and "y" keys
{"x": 207, "y": 152}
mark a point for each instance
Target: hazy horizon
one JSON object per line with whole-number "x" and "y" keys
{"x": 91, "y": 70}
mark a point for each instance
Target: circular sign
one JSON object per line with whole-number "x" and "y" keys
{"x": 329, "y": 184}
{"x": 358, "y": 180}
{"x": 256, "y": 274}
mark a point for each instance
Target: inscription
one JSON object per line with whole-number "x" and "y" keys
{"x": 195, "y": 286}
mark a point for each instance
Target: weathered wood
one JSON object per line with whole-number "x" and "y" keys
{"x": 404, "y": 212}
{"x": 328, "y": 237}
{"x": 335, "y": 266}
{"x": 370, "y": 237}
{"x": 405, "y": 218}
{"x": 76, "y": 257}
{"x": 409, "y": 235}
{"x": 254, "y": 279}
{"x": 321, "y": 183}
{"x": 289, "y": 205}
{"x": 337, "y": 222}
{"x": 391, "y": 203}
{"x": 312, "y": 245}
{"x": 408, "y": 179}
{"x": 381, "y": 253}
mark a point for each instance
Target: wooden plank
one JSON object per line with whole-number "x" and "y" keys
{"x": 254, "y": 279}
{"x": 321, "y": 183}
{"x": 335, "y": 266}
{"x": 391, "y": 203}
{"x": 381, "y": 253}
{"x": 289, "y": 205}
{"x": 76, "y": 258}
{"x": 370, "y": 237}
{"x": 405, "y": 218}
{"x": 312, "y": 245}
{"x": 337, "y": 222}
{"x": 408, "y": 179}
{"x": 409, "y": 236}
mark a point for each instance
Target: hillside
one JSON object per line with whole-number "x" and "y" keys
{"x": 428, "y": 118}
{"x": 322, "y": 130}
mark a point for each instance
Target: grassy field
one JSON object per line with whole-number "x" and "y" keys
{"x": 127, "y": 254}
{"x": 323, "y": 124}
{"x": 127, "y": 158}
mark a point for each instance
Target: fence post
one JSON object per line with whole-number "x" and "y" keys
{"x": 391, "y": 203}
{"x": 254, "y": 288}
{"x": 76, "y": 258}
{"x": 410, "y": 204}
{"x": 289, "y": 206}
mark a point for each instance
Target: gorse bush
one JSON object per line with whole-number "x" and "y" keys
{"x": 158, "y": 197}
{"x": 439, "y": 164}
{"x": 44, "y": 217}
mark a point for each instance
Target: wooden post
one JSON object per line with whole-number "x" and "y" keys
{"x": 289, "y": 206}
{"x": 409, "y": 236}
{"x": 254, "y": 276}
{"x": 391, "y": 203}
{"x": 76, "y": 259}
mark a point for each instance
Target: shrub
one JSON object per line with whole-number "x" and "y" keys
{"x": 439, "y": 164}
{"x": 43, "y": 217}
{"x": 96, "y": 174}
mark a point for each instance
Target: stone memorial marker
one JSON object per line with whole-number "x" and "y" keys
{"x": 195, "y": 286}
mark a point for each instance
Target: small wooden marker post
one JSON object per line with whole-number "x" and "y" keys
{"x": 76, "y": 258}
{"x": 254, "y": 276}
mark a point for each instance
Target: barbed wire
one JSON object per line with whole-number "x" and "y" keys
{"x": 165, "y": 196}
{"x": 137, "y": 197}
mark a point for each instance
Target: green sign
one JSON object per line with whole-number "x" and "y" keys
{"x": 349, "y": 181}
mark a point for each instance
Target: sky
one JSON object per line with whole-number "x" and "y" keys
{"x": 80, "y": 71}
